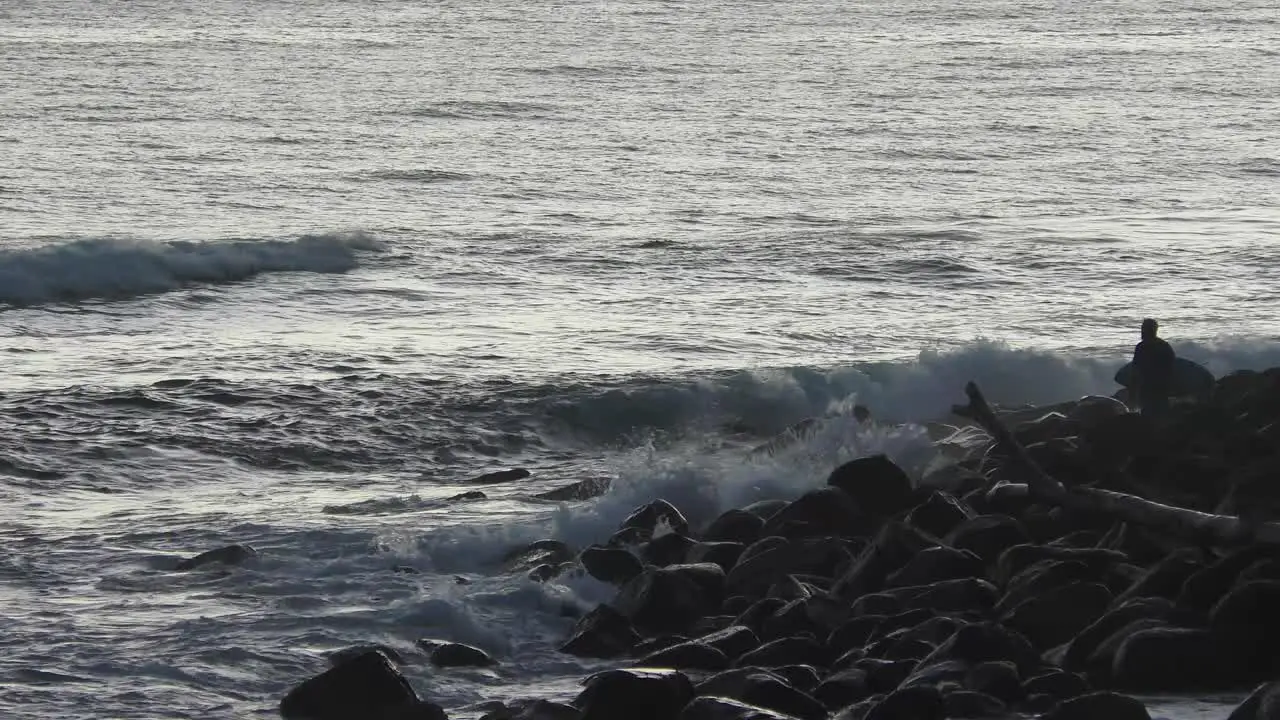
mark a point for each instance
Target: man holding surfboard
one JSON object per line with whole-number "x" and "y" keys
{"x": 1153, "y": 362}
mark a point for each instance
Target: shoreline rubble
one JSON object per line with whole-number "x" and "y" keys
{"x": 1082, "y": 554}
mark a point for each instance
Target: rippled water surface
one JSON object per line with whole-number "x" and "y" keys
{"x": 288, "y": 273}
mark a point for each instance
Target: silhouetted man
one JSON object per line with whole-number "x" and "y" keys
{"x": 1153, "y": 360}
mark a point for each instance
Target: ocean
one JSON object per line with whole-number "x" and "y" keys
{"x": 290, "y": 273}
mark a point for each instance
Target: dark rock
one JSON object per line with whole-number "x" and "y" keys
{"x": 733, "y": 641}
{"x": 628, "y": 537}
{"x": 229, "y": 555}
{"x": 907, "y": 649}
{"x": 581, "y": 490}
{"x": 1247, "y": 626}
{"x": 737, "y": 526}
{"x": 366, "y": 685}
{"x": 541, "y": 552}
{"x": 848, "y": 659}
{"x": 1167, "y": 659}
{"x": 736, "y": 605}
{"x": 418, "y": 710}
{"x": 905, "y": 619}
{"x": 761, "y": 546}
{"x": 709, "y": 624}
{"x": 1056, "y": 684}
{"x": 664, "y": 550}
{"x": 999, "y": 679}
{"x": 1207, "y": 586}
{"x": 601, "y": 633}
{"x": 724, "y": 554}
{"x": 533, "y": 710}
{"x": 451, "y": 654}
{"x": 893, "y": 547}
{"x": 859, "y": 710}
{"x": 790, "y": 619}
{"x": 934, "y": 630}
{"x": 884, "y": 676}
{"x": 1018, "y": 558}
{"x": 687, "y": 656}
{"x": 719, "y": 708}
{"x": 668, "y": 599}
{"x": 763, "y": 688}
{"x": 756, "y": 570}
{"x": 855, "y": 633}
{"x": 913, "y": 703}
{"x": 1039, "y": 704}
{"x": 879, "y": 488}
{"x": 937, "y": 675}
{"x": 1006, "y": 498}
{"x": 610, "y": 564}
{"x": 1099, "y": 705}
{"x": 788, "y": 588}
{"x": 971, "y": 704}
{"x": 987, "y": 536}
{"x": 648, "y": 646}
{"x": 1040, "y": 579}
{"x": 755, "y": 616}
{"x": 881, "y": 604}
{"x": 1262, "y": 704}
{"x": 843, "y": 688}
{"x": 984, "y": 642}
{"x": 765, "y": 509}
{"x": 939, "y": 514}
{"x": 786, "y": 651}
{"x": 659, "y": 512}
{"x": 1056, "y": 617}
{"x": 935, "y": 564}
{"x": 634, "y": 695}
{"x": 822, "y": 512}
{"x": 540, "y": 573}
{"x": 802, "y": 677}
{"x": 969, "y": 594}
{"x": 501, "y": 476}
{"x": 472, "y": 495}
{"x": 345, "y": 654}
{"x": 1076, "y": 653}
{"x": 1100, "y": 662}
{"x": 1166, "y": 578}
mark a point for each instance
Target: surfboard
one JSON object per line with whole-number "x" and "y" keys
{"x": 1189, "y": 377}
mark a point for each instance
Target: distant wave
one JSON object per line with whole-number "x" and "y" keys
{"x": 113, "y": 268}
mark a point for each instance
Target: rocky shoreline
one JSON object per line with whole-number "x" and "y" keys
{"x": 1080, "y": 555}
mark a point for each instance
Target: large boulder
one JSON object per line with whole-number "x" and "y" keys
{"x": 879, "y": 488}
{"x": 229, "y": 555}
{"x": 634, "y": 695}
{"x": 442, "y": 653}
{"x": 826, "y": 511}
{"x": 664, "y": 550}
{"x": 659, "y": 513}
{"x": 366, "y": 686}
{"x": 601, "y": 633}
{"x": 1167, "y": 659}
{"x": 734, "y": 526}
{"x": 1057, "y": 616}
{"x": 667, "y": 599}
{"x": 1099, "y": 705}
{"x": 610, "y": 564}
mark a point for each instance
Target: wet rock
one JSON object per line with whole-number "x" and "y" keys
{"x": 601, "y": 633}
{"x": 664, "y": 550}
{"x": 719, "y": 708}
{"x": 501, "y": 476}
{"x": 610, "y": 564}
{"x": 764, "y": 544}
{"x": 735, "y": 605}
{"x": 735, "y": 525}
{"x": 1096, "y": 706}
{"x": 1018, "y": 558}
{"x": 666, "y": 599}
{"x": 229, "y": 555}
{"x": 907, "y": 649}
{"x": 710, "y": 624}
{"x": 790, "y": 619}
{"x": 758, "y": 569}
{"x": 1166, "y": 578}
{"x": 788, "y": 588}
{"x": 1262, "y": 704}
{"x": 854, "y": 633}
{"x": 801, "y": 677}
{"x": 1100, "y": 662}
{"x": 970, "y": 704}
{"x": 1056, "y": 617}
{"x": 843, "y": 688}
{"x": 965, "y": 595}
{"x": 733, "y": 641}
{"x": 999, "y": 679}
{"x": 1056, "y": 684}
{"x": 937, "y": 675}
{"x": 404, "y": 570}
{"x": 764, "y": 689}
{"x": 987, "y": 536}
{"x": 581, "y": 490}
{"x": 893, "y": 547}
{"x": 724, "y": 554}
{"x": 648, "y": 646}
{"x": 533, "y": 710}
{"x": 1075, "y": 654}
{"x": 984, "y": 642}
{"x": 472, "y": 495}
{"x": 451, "y": 654}
{"x": 541, "y": 552}
{"x": 1168, "y": 659}
{"x": 1040, "y": 579}
{"x": 687, "y": 656}
{"x": 879, "y": 488}
{"x": 659, "y": 512}
{"x": 634, "y": 695}
{"x": 786, "y": 651}
{"x": 366, "y": 685}
{"x": 859, "y": 710}
{"x": 913, "y": 703}
{"x": 760, "y": 611}
{"x": 1247, "y": 626}
{"x": 935, "y": 564}
{"x": 541, "y": 573}
{"x": 939, "y": 514}
{"x": 345, "y": 654}
{"x": 1207, "y": 586}
{"x": 882, "y": 604}
{"x": 884, "y": 676}
{"x": 822, "y": 512}
{"x": 765, "y": 509}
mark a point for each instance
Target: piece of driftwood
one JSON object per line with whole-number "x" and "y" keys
{"x": 1180, "y": 522}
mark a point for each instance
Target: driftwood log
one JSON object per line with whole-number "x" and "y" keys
{"x": 1179, "y": 522}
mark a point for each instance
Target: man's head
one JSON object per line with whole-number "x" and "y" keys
{"x": 1149, "y": 328}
